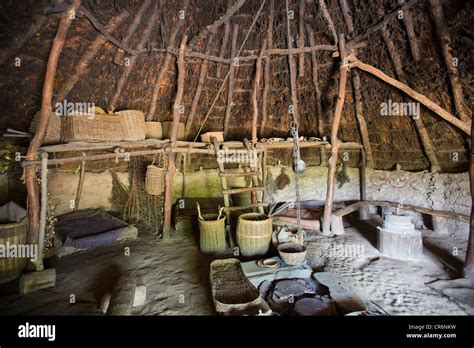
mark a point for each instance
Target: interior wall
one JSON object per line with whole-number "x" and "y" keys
{"x": 431, "y": 190}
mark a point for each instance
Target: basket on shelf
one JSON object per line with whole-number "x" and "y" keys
{"x": 153, "y": 130}
{"x": 212, "y": 233}
{"x": 133, "y": 124}
{"x": 167, "y": 126}
{"x": 100, "y": 128}
{"x": 254, "y": 234}
{"x": 53, "y": 131}
{"x": 206, "y": 137}
{"x": 154, "y": 180}
{"x": 291, "y": 253}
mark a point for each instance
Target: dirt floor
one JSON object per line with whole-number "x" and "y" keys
{"x": 176, "y": 275}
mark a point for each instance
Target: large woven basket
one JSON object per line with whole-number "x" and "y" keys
{"x": 167, "y": 126}
{"x": 133, "y": 124}
{"x": 292, "y": 253}
{"x": 232, "y": 292}
{"x": 254, "y": 234}
{"x": 154, "y": 180}
{"x": 153, "y": 130}
{"x": 53, "y": 131}
{"x": 12, "y": 233}
{"x": 100, "y": 128}
{"x": 212, "y": 234}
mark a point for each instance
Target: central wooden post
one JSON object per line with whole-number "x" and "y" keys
{"x": 334, "y": 141}
{"x": 174, "y": 134}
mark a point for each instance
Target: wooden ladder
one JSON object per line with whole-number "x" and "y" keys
{"x": 256, "y": 187}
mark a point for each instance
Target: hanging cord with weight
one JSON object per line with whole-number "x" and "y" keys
{"x": 294, "y": 132}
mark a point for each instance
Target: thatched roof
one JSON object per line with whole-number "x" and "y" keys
{"x": 392, "y": 139}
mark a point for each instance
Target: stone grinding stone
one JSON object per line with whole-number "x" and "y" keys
{"x": 311, "y": 306}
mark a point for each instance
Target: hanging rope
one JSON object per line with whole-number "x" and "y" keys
{"x": 228, "y": 73}
{"x": 294, "y": 131}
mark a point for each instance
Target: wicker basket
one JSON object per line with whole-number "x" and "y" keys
{"x": 13, "y": 233}
{"x": 212, "y": 234}
{"x": 153, "y": 130}
{"x": 53, "y": 132}
{"x": 154, "y": 180}
{"x": 232, "y": 292}
{"x": 292, "y": 253}
{"x": 100, "y": 128}
{"x": 133, "y": 124}
{"x": 206, "y": 137}
{"x": 254, "y": 234}
{"x": 167, "y": 126}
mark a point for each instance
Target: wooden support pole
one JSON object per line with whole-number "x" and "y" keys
{"x": 133, "y": 60}
{"x": 465, "y": 127}
{"x": 44, "y": 209}
{"x": 164, "y": 66}
{"x": 233, "y": 67}
{"x": 267, "y": 70}
{"x": 43, "y": 120}
{"x": 412, "y": 40}
{"x": 214, "y": 26}
{"x": 301, "y": 36}
{"x": 225, "y": 39}
{"x": 335, "y": 144}
{"x": 446, "y": 48}
{"x": 327, "y": 17}
{"x": 200, "y": 86}
{"x": 468, "y": 269}
{"x": 256, "y": 88}
{"x": 83, "y": 66}
{"x": 131, "y": 29}
{"x": 174, "y": 134}
{"x": 346, "y": 12}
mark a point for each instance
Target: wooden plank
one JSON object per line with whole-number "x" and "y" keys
{"x": 267, "y": 70}
{"x": 240, "y": 174}
{"x": 242, "y": 190}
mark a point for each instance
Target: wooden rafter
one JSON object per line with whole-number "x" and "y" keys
{"x": 233, "y": 67}
{"x": 409, "y": 27}
{"x": 267, "y": 70}
{"x": 133, "y": 60}
{"x": 426, "y": 143}
{"x": 131, "y": 29}
{"x": 83, "y": 66}
{"x": 446, "y": 47}
{"x": 200, "y": 86}
{"x": 465, "y": 127}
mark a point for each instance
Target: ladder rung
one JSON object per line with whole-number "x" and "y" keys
{"x": 245, "y": 207}
{"x": 239, "y": 174}
{"x": 242, "y": 190}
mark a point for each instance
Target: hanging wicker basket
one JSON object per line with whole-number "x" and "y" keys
{"x": 292, "y": 254}
{"x": 212, "y": 233}
{"x": 154, "y": 180}
{"x": 254, "y": 234}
